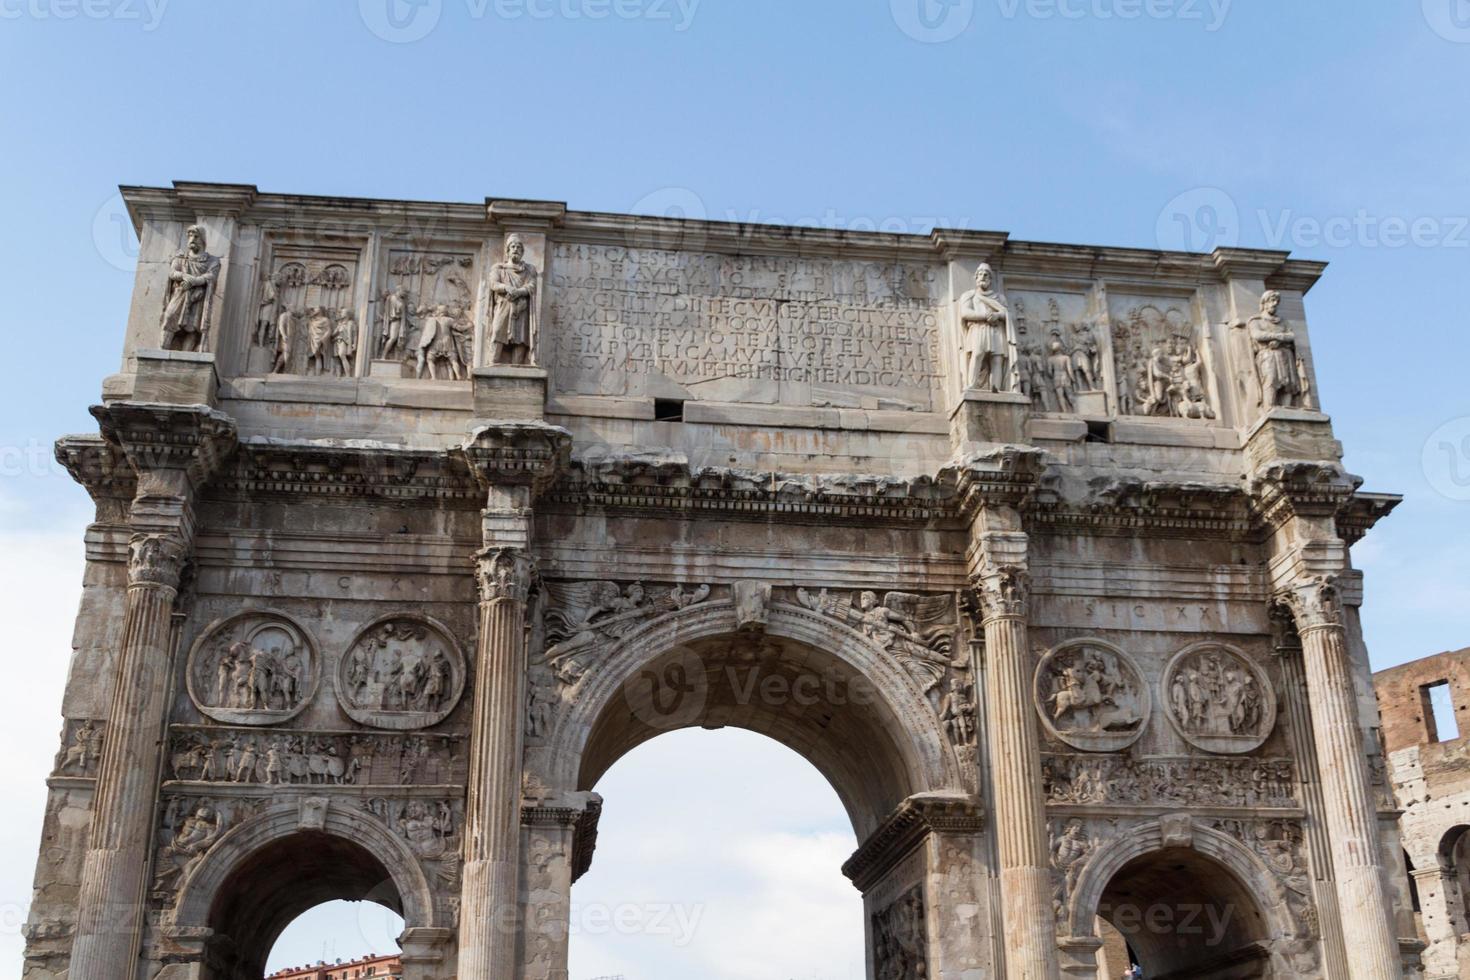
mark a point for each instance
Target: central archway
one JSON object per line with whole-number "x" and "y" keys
{"x": 866, "y": 719}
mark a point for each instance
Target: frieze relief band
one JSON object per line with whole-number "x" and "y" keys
{"x": 252, "y": 757}
{"x": 1128, "y": 780}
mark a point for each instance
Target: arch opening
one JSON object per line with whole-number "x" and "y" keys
{"x": 276, "y": 884}
{"x": 811, "y": 700}
{"x": 732, "y": 869}
{"x": 1185, "y": 915}
{"x": 358, "y": 938}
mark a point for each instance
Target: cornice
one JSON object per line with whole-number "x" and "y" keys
{"x": 1124, "y": 506}
{"x": 1363, "y": 511}
{"x": 668, "y": 485}
{"x": 908, "y": 825}
{"x": 194, "y": 438}
{"x": 530, "y": 453}
{"x": 97, "y": 465}
{"x": 1007, "y": 476}
{"x": 1292, "y": 488}
{"x": 265, "y": 467}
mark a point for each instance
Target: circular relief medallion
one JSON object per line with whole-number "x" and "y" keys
{"x": 401, "y": 672}
{"x": 254, "y": 668}
{"x": 1219, "y": 699}
{"x": 1092, "y": 696}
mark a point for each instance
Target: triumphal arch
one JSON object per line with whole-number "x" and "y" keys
{"x": 411, "y": 519}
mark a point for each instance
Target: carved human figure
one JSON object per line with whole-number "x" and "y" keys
{"x": 194, "y": 837}
{"x": 344, "y": 342}
{"x": 79, "y": 753}
{"x": 265, "y": 317}
{"x": 186, "y": 303}
{"x": 275, "y": 764}
{"x": 988, "y": 337}
{"x": 1089, "y": 694}
{"x": 285, "y": 335}
{"x": 513, "y": 285}
{"x": 318, "y": 340}
{"x": 249, "y": 758}
{"x": 957, "y": 712}
{"x": 1062, "y": 384}
{"x": 1277, "y": 364}
{"x": 395, "y": 321}
{"x": 436, "y": 342}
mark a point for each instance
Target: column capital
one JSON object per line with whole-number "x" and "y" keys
{"x": 1002, "y": 590}
{"x": 157, "y": 558}
{"x": 504, "y": 573}
{"x": 1314, "y": 603}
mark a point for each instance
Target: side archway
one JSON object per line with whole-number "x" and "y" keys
{"x": 815, "y": 685}
{"x": 1191, "y": 902}
{"x": 263, "y": 873}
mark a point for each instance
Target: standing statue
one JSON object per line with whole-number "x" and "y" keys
{"x": 191, "y": 278}
{"x": 988, "y": 337}
{"x": 265, "y": 317}
{"x": 1278, "y": 369}
{"x": 344, "y": 342}
{"x": 285, "y": 332}
{"x": 513, "y": 286}
{"x": 1063, "y": 387}
{"x": 395, "y": 322}
{"x": 318, "y": 340}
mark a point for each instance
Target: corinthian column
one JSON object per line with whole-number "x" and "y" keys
{"x": 1002, "y": 586}
{"x": 488, "y": 900}
{"x": 1347, "y": 793}
{"x": 173, "y": 451}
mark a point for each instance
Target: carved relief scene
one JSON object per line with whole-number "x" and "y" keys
{"x": 255, "y": 668}
{"x": 789, "y": 330}
{"x": 1091, "y": 695}
{"x": 401, "y": 672}
{"x": 1061, "y": 353}
{"x": 306, "y": 319}
{"x": 1218, "y": 699}
{"x": 424, "y": 319}
{"x": 1159, "y": 359}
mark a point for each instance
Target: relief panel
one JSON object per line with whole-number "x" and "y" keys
{"x": 790, "y": 330}
{"x": 254, "y": 668}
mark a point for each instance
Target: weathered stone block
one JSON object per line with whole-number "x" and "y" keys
{"x": 509, "y": 393}
{"x": 175, "y": 378}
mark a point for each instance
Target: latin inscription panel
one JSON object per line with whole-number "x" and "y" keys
{"x": 788, "y": 330}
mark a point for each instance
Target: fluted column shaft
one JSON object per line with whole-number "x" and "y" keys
{"x": 111, "y": 901}
{"x": 489, "y": 891}
{"x": 1304, "y": 748}
{"x": 1020, "y": 807}
{"x": 1347, "y": 795}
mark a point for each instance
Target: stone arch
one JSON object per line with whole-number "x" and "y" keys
{"x": 884, "y": 750}
{"x": 261, "y": 874}
{"x": 1236, "y": 877}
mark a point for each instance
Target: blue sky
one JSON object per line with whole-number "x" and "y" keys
{"x": 1336, "y": 130}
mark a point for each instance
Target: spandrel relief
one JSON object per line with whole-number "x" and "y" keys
{"x": 1158, "y": 361}
{"x": 255, "y": 668}
{"x": 402, "y": 672}
{"x": 583, "y": 618}
{"x": 1218, "y": 699}
{"x": 1092, "y": 696}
